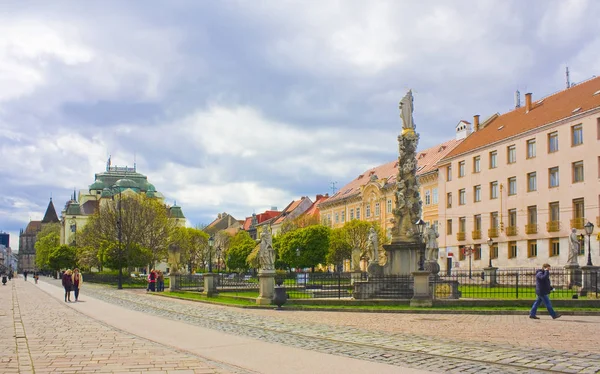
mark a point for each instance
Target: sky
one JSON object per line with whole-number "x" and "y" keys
{"x": 240, "y": 106}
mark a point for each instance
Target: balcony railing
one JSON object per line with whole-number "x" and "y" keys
{"x": 511, "y": 230}
{"x": 461, "y": 236}
{"x": 476, "y": 234}
{"x": 493, "y": 232}
{"x": 531, "y": 228}
{"x": 577, "y": 223}
{"x": 553, "y": 226}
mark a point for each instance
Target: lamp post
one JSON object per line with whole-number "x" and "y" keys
{"x": 218, "y": 259}
{"x": 120, "y": 237}
{"x": 420, "y": 225}
{"x": 589, "y": 229}
{"x": 490, "y": 242}
{"x": 211, "y": 241}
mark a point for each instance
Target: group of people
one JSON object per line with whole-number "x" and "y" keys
{"x": 156, "y": 281}
{"x": 72, "y": 281}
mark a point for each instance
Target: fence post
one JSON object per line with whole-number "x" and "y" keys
{"x": 339, "y": 285}
{"x": 517, "y": 288}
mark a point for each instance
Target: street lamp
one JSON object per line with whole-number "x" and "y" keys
{"x": 420, "y": 226}
{"x": 490, "y": 242}
{"x": 589, "y": 229}
{"x": 120, "y": 236}
{"x": 211, "y": 242}
{"x": 218, "y": 259}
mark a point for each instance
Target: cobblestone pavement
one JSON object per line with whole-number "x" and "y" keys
{"x": 41, "y": 335}
{"x": 409, "y": 340}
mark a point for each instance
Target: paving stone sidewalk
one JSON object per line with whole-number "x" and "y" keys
{"x": 43, "y": 335}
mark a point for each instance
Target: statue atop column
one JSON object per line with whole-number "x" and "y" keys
{"x": 266, "y": 253}
{"x": 408, "y": 200}
{"x": 574, "y": 248}
{"x": 432, "y": 246}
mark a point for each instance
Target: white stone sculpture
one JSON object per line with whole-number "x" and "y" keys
{"x": 406, "y": 111}
{"x": 431, "y": 244}
{"x": 574, "y": 248}
{"x": 266, "y": 253}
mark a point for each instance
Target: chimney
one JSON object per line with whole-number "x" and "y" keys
{"x": 527, "y": 102}
{"x": 476, "y": 122}
{"x": 319, "y": 196}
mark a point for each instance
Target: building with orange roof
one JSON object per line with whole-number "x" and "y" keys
{"x": 525, "y": 179}
{"x": 371, "y": 195}
{"x": 290, "y": 212}
{"x": 251, "y": 223}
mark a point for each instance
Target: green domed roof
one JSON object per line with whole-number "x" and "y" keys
{"x": 97, "y": 185}
{"x": 126, "y": 183}
{"x": 150, "y": 187}
{"x": 150, "y": 193}
{"x": 106, "y": 193}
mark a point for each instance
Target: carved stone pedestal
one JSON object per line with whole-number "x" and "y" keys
{"x": 266, "y": 283}
{"x": 402, "y": 258}
{"x": 433, "y": 267}
{"x": 491, "y": 276}
{"x": 422, "y": 294}
{"x": 590, "y": 279}
{"x": 210, "y": 287}
{"x": 573, "y": 275}
{"x": 173, "y": 282}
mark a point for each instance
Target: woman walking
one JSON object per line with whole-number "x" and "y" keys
{"x": 77, "y": 282}
{"x": 67, "y": 282}
{"x": 152, "y": 281}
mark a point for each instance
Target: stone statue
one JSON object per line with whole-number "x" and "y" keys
{"x": 574, "y": 248}
{"x": 432, "y": 244}
{"x": 406, "y": 111}
{"x": 373, "y": 245}
{"x": 266, "y": 253}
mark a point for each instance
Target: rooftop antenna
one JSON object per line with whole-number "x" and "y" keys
{"x": 567, "y": 77}
{"x": 333, "y": 189}
{"x": 134, "y": 154}
{"x": 517, "y": 99}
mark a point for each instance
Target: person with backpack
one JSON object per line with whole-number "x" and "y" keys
{"x": 152, "y": 281}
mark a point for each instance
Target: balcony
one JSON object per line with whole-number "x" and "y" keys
{"x": 460, "y": 236}
{"x": 532, "y": 228}
{"x": 511, "y": 230}
{"x": 577, "y": 223}
{"x": 493, "y": 233}
{"x": 476, "y": 234}
{"x": 553, "y": 226}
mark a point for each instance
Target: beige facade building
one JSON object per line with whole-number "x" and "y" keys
{"x": 524, "y": 179}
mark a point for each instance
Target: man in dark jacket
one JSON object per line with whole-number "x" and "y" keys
{"x": 542, "y": 290}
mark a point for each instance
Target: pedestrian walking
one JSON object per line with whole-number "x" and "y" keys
{"x": 152, "y": 281}
{"x": 77, "y": 282}
{"x": 160, "y": 281}
{"x": 543, "y": 287}
{"x": 36, "y": 276}
{"x": 24, "y": 275}
{"x": 67, "y": 282}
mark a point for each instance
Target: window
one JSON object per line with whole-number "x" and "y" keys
{"x": 577, "y": 171}
{"x": 449, "y": 200}
{"x": 512, "y": 249}
{"x": 461, "y": 169}
{"x": 532, "y": 248}
{"x": 351, "y": 214}
{"x": 449, "y": 227}
{"x": 329, "y": 219}
{"x": 462, "y": 197}
{"x": 461, "y": 253}
{"x": 554, "y": 247}
{"x": 553, "y": 142}
{"x": 435, "y": 225}
{"x": 337, "y": 217}
{"x": 477, "y": 193}
{"x": 531, "y": 148}
{"x": 554, "y": 211}
{"x": 532, "y": 181}
{"x": 493, "y": 160}
{"x": 477, "y": 222}
{"x": 511, "y": 152}
{"x": 368, "y": 211}
{"x": 462, "y": 224}
{"x": 494, "y": 190}
{"x": 476, "y": 164}
{"x": 553, "y": 174}
{"x": 576, "y": 135}
{"x": 389, "y": 206}
{"x": 494, "y": 251}
{"x": 477, "y": 252}
{"x": 377, "y": 209}
{"x": 532, "y": 215}
{"x": 449, "y": 173}
{"x": 494, "y": 220}
{"x": 512, "y": 186}
{"x": 512, "y": 217}
{"x": 357, "y": 213}
{"x": 343, "y": 216}
{"x": 434, "y": 195}
{"x": 578, "y": 208}
{"x": 427, "y": 197}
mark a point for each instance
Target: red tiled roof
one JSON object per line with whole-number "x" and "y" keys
{"x": 288, "y": 209}
{"x": 260, "y": 218}
{"x": 314, "y": 208}
{"x": 555, "y": 107}
{"x": 33, "y": 227}
{"x": 426, "y": 162}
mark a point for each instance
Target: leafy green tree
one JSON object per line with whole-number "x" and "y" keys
{"x": 357, "y": 235}
{"x": 193, "y": 244}
{"x": 158, "y": 229}
{"x": 62, "y": 257}
{"x": 339, "y": 247}
{"x": 47, "y": 240}
{"x": 240, "y": 247}
{"x": 306, "y": 247}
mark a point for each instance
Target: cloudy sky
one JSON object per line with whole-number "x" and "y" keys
{"x": 237, "y": 106}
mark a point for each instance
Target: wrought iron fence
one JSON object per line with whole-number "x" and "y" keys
{"x": 237, "y": 283}
{"x": 188, "y": 282}
{"x": 384, "y": 287}
{"x": 109, "y": 278}
{"x": 319, "y": 285}
{"x": 507, "y": 284}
